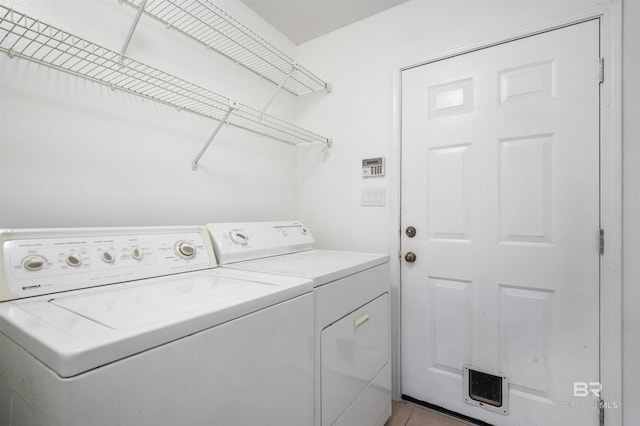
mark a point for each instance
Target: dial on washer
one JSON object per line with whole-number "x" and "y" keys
{"x": 34, "y": 263}
{"x": 186, "y": 250}
{"x": 108, "y": 257}
{"x": 74, "y": 259}
{"x": 137, "y": 253}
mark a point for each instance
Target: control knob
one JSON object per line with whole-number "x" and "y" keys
{"x": 239, "y": 237}
{"x": 74, "y": 259}
{"x": 137, "y": 253}
{"x": 108, "y": 256}
{"x": 186, "y": 250}
{"x": 34, "y": 263}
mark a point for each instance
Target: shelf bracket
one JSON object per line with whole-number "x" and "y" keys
{"x": 294, "y": 67}
{"x": 143, "y": 3}
{"x": 194, "y": 165}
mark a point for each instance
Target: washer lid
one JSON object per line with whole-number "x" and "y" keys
{"x": 86, "y": 329}
{"x": 321, "y": 266}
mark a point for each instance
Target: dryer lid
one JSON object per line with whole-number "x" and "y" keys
{"x": 321, "y": 266}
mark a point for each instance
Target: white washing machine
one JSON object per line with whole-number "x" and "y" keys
{"x": 351, "y": 290}
{"x": 137, "y": 327}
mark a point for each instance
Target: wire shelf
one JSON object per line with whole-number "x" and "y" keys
{"x": 204, "y": 22}
{"x": 23, "y": 36}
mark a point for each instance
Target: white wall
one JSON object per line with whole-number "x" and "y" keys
{"x": 76, "y": 153}
{"x": 362, "y": 62}
{"x": 631, "y": 211}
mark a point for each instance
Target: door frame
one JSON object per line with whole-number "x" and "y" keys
{"x": 610, "y": 16}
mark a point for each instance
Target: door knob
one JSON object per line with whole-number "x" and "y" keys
{"x": 410, "y": 231}
{"x": 410, "y": 257}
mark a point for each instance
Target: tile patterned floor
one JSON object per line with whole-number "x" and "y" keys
{"x": 405, "y": 414}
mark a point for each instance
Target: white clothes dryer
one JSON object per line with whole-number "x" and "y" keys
{"x": 351, "y": 290}
{"x": 137, "y": 326}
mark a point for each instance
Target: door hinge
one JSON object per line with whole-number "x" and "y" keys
{"x": 601, "y": 70}
{"x": 601, "y": 413}
{"x": 601, "y": 241}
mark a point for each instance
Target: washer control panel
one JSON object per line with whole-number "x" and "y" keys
{"x": 48, "y": 261}
{"x": 235, "y": 242}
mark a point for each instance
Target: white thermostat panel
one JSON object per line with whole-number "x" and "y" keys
{"x": 373, "y": 167}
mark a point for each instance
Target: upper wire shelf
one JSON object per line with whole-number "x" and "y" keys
{"x": 204, "y": 22}
{"x": 23, "y": 36}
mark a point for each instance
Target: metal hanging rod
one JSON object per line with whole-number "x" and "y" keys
{"x": 23, "y": 36}
{"x": 209, "y": 25}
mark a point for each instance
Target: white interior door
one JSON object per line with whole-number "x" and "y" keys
{"x": 500, "y": 178}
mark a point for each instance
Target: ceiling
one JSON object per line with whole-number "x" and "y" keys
{"x": 303, "y": 20}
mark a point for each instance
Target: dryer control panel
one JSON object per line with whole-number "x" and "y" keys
{"x": 42, "y": 261}
{"x": 236, "y": 242}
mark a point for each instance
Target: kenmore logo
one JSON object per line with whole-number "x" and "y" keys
{"x": 31, "y": 287}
